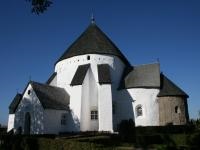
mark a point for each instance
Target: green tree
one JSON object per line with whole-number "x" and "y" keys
{"x": 39, "y": 6}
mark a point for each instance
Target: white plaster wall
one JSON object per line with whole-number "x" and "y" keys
{"x": 31, "y": 104}
{"x": 54, "y": 81}
{"x": 89, "y": 102}
{"x": 85, "y": 104}
{"x": 123, "y": 107}
{"x": 11, "y": 119}
{"x": 52, "y": 121}
{"x": 148, "y": 99}
{"x": 65, "y": 72}
{"x": 66, "y": 68}
{"x": 105, "y": 108}
{"x": 74, "y": 117}
{"x": 93, "y": 98}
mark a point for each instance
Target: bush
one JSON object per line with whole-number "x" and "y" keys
{"x": 145, "y": 140}
{"x": 3, "y": 130}
{"x": 195, "y": 123}
{"x": 194, "y": 139}
{"x": 170, "y": 129}
{"x": 127, "y": 130}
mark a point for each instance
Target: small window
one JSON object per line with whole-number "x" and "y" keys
{"x": 29, "y": 92}
{"x": 64, "y": 119}
{"x": 94, "y": 115}
{"x": 88, "y": 57}
{"x": 138, "y": 110}
{"x": 177, "y": 110}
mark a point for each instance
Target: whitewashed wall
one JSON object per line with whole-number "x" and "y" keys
{"x": 93, "y": 99}
{"x": 74, "y": 117}
{"x": 87, "y": 96}
{"x": 31, "y": 104}
{"x": 52, "y": 121}
{"x": 54, "y": 81}
{"x": 123, "y": 107}
{"x": 105, "y": 108}
{"x": 85, "y": 104}
{"x": 89, "y": 101}
{"x": 11, "y": 120}
{"x": 66, "y": 68}
{"x": 148, "y": 99}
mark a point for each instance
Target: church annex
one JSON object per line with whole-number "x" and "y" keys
{"x": 94, "y": 88}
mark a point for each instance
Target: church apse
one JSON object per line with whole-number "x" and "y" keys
{"x": 172, "y": 110}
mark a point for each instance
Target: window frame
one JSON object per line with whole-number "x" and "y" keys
{"x": 177, "y": 110}
{"x": 94, "y": 115}
{"x": 29, "y": 92}
{"x": 139, "y": 110}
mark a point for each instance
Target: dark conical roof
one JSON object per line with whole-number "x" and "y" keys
{"x": 14, "y": 103}
{"x": 168, "y": 88}
{"x": 93, "y": 41}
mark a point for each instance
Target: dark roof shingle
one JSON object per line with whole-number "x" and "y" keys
{"x": 168, "y": 88}
{"x": 80, "y": 75}
{"x": 104, "y": 74}
{"x": 143, "y": 76}
{"x": 51, "y": 97}
{"x": 15, "y": 103}
{"x": 93, "y": 41}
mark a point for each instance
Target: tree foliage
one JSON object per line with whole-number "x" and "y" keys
{"x": 39, "y": 6}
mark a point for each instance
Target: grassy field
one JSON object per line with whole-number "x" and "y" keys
{"x": 129, "y": 137}
{"x": 100, "y": 141}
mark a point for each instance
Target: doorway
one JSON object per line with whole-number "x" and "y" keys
{"x": 27, "y": 123}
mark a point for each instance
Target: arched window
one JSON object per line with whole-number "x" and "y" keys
{"x": 94, "y": 115}
{"x": 29, "y": 92}
{"x": 177, "y": 110}
{"x": 138, "y": 110}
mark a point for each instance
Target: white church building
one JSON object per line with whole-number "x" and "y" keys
{"x": 94, "y": 88}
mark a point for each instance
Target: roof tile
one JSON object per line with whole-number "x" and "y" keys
{"x": 93, "y": 41}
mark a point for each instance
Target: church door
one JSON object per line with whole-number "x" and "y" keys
{"x": 27, "y": 123}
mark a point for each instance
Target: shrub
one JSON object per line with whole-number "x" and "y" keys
{"x": 127, "y": 130}
{"x": 194, "y": 139}
{"x": 142, "y": 140}
{"x": 170, "y": 129}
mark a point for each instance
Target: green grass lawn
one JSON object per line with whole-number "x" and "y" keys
{"x": 105, "y": 141}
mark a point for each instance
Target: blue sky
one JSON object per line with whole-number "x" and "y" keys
{"x": 144, "y": 30}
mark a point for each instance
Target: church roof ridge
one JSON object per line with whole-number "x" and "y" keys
{"x": 152, "y": 63}
{"x": 93, "y": 41}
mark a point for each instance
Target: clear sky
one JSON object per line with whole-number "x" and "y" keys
{"x": 144, "y": 30}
